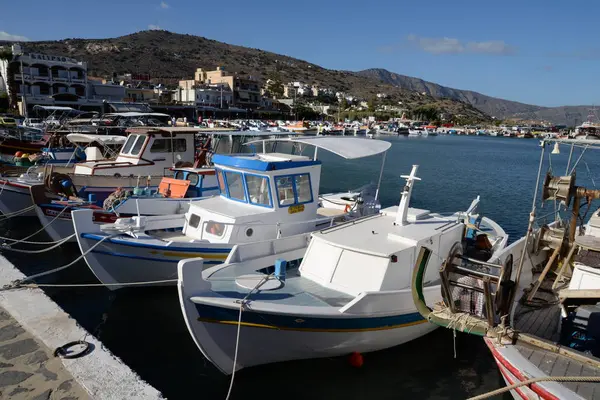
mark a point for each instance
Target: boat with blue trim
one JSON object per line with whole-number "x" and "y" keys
{"x": 173, "y": 196}
{"x": 339, "y": 290}
{"x": 262, "y": 196}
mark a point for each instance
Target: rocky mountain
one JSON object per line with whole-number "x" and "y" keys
{"x": 490, "y": 105}
{"x": 499, "y": 108}
{"x": 171, "y": 56}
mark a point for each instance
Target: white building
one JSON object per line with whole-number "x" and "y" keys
{"x": 216, "y": 95}
{"x": 40, "y": 74}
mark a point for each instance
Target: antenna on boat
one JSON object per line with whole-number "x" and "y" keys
{"x": 406, "y": 193}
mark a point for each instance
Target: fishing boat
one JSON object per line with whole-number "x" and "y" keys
{"x": 536, "y": 304}
{"x": 173, "y": 196}
{"x": 149, "y": 151}
{"x": 262, "y": 196}
{"x": 340, "y": 290}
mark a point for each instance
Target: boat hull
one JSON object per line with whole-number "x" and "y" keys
{"x": 269, "y": 338}
{"x": 15, "y": 197}
{"x": 115, "y": 261}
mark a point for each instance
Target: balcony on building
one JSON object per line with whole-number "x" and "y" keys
{"x": 77, "y": 74}
{"x": 39, "y": 72}
{"x": 40, "y": 89}
{"x": 59, "y": 73}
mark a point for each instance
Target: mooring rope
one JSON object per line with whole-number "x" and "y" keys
{"x": 19, "y": 283}
{"x": 57, "y": 244}
{"x": 237, "y": 338}
{"x": 591, "y": 379}
{"x": 6, "y": 216}
{"x": 24, "y": 240}
{"x": 67, "y": 285}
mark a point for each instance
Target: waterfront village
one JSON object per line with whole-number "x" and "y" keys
{"x": 31, "y": 84}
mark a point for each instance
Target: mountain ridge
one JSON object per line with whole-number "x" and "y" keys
{"x": 174, "y": 56}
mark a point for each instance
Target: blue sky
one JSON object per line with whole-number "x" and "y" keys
{"x": 538, "y": 52}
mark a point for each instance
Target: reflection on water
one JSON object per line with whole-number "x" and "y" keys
{"x": 145, "y": 328}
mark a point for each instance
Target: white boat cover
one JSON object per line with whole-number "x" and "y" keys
{"x": 347, "y": 147}
{"x": 104, "y": 139}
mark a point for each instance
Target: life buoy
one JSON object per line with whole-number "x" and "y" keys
{"x": 347, "y": 208}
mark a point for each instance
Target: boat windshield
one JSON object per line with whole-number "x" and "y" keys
{"x": 138, "y": 145}
{"x": 129, "y": 143}
{"x": 258, "y": 190}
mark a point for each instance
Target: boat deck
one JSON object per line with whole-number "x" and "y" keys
{"x": 554, "y": 364}
{"x": 297, "y": 291}
{"x": 541, "y": 318}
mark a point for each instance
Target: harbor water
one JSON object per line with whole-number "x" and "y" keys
{"x": 145, "y": 328}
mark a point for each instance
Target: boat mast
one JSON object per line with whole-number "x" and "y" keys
{"x": 401, "y": 217}
{"x": 530, "y": 227}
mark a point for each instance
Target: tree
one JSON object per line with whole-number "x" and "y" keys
{"x": 275, "y": 88}
{"x": 343, "y": 104}
{"x": 371, "y": 105}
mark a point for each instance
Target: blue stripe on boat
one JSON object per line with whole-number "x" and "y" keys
{"x": 115, "y": 254}
{"x": 254, "y": 319}
{"x": 93, "y": 236}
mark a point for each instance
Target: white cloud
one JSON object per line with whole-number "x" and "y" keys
{"x": 154, "y": 27}
{"x": 447, "y": 45}
{"x": 164, "y": 5}
{"x": 12, "y": 38}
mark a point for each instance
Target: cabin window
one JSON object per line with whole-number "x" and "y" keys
{"x": 285, "y": 190}
{"x": 179, "y": 175}
{"x": 221, "y": 181}
{"x": 303, "y": 189}
{"x": 194, "y": 220}
{"x": 129, "y": 143}
{"x": 258, "y": 190}
{"x": 235, "y": 185}
{"x": 293, "y": 189}
{"x": 164, "y": 145}
{"x": 215, "y": 228}
{"x": 138, "y": 145}
{"x": 193, "y": 178}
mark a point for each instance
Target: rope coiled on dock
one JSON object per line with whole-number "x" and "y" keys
{"x": 591, "y": 379}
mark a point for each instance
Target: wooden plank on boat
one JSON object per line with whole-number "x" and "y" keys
{"x": 588, "y": 242}
{"x": 588, "y": 390}
{"x": 547, "y": 362}
{"x": 536, "y": 357}
{"x": 560, "y": 366}
{"x": 574, "y": 369}
{"x": 579, "y": 294}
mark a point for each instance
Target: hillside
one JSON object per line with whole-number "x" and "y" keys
{"x": 500, "y": 108}
{"x": 165, "y": 55}
{"x": 490, "y": 105}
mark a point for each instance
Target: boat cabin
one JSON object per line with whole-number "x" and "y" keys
{"x": 147, "y": 151}
{"x": 202, "y": 181}
{"x": 261, "y": 196}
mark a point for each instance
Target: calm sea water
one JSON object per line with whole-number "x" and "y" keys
{"x": 145, "y": 328}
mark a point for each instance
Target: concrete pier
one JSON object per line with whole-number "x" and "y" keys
{"x": 31, "y": 327}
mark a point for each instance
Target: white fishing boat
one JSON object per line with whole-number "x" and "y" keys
{"x": 416, "y": 132}
{"x": 536, "y": 303}
{"x": 146, "y": 152}
{"x": 173, "y": 196}
{"x": 340, "y": 290}
{"x": 263, "y": 196}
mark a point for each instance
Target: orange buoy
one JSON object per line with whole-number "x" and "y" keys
{"x": 347, "y": 208}
{"x": 18, "y": 154}
{"x": 356, "y": 359}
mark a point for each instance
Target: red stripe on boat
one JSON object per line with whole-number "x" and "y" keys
{"x": 540, "y": 391}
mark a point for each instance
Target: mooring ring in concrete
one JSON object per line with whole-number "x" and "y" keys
{"x": 75, "y": 349}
